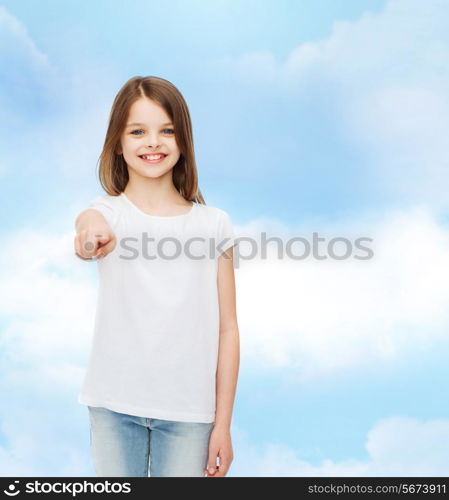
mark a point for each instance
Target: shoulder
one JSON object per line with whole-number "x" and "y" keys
{"x": 107, "y": 199}
{"x": 108, "y": 205}
{"x": 214, "y": 217}
{"x": 212, "y": 211}
{"x": 221, "y": 223}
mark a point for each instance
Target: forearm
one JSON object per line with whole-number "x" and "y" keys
{"x": 227, "y": 374}
{"x": 88, "y": 218}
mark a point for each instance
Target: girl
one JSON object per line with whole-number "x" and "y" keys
{"x": 162, "y": 373}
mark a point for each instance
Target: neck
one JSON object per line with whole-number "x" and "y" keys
{"x": 157, "y": 194}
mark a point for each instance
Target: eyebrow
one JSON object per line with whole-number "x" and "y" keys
{"x": 142, "y": 124}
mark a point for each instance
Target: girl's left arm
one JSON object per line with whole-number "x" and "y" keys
{"x": 227, "y": 369}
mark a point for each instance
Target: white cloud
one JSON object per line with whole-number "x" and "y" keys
{"x": 320, "y": 316}
{"x": 41, "y": 440}
{"x": 396, "y": 446}
{"x": 23, "y": 48}
{"x": 48, "y": 304}
{"x": 32, "y": 88}
{"x": 385, "y": 77}
{"x": 27, "y": 71}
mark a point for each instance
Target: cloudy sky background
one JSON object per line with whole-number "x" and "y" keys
{"x": 309, "y": 116}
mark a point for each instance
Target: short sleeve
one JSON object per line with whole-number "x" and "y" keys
{"x": 226, "y": 234}
{"x": 106, "y": 206}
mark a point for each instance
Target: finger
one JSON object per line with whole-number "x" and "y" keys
{"x": 225, "y": 460}
{"x": 89, "y": 245}
{"x": 83, "y": 258}
{"x": 78, "y": 248}
{"x": 102, "y": 239}
{"x": 108, "y": 247}
{"x": 222, "y": 466}
{"x": 211, "y": 467}
{"x": 85, "y": 249}
{"x": 220, "y": 471}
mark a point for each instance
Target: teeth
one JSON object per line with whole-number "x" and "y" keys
{"x": 151, "y": 157}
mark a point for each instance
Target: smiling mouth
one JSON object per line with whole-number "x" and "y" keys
{"x": 158, "y": 156}
{"x": 153, "y": 159}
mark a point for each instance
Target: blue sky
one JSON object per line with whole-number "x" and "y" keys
{"x": 335, "y": 112}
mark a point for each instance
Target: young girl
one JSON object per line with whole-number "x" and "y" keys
{"x": 162, "y": 372}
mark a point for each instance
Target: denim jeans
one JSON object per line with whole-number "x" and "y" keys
{"x": 123, "y": 445}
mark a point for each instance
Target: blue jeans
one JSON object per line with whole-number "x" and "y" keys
{"x": 122, "y": 445}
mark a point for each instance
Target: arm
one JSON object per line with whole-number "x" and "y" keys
{"x": 228, "y": 367}
{"x": 87, "y": 218}
{"x": 94, "y": 236}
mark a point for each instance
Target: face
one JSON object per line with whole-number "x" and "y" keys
{"x": 149, "y": 130}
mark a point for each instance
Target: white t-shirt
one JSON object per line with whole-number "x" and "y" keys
{"x": 156, "y": 336}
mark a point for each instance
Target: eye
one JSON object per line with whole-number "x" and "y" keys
{"x": 166, "y": 129}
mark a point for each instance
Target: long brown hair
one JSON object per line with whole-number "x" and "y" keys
{"x": 113, "y": 171}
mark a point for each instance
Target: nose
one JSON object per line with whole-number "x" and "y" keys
{"x": 153, "y": 141}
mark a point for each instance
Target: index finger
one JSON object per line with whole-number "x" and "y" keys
{"x": 86, "y": 258}
{"x": 78, "y": 248}
{"x": 87, "y": 244}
